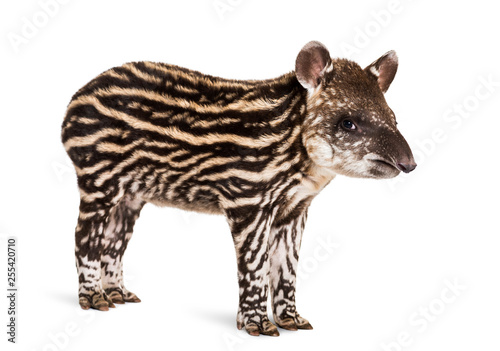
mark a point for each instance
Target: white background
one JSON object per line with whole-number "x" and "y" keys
{"x": 393, "y": 245}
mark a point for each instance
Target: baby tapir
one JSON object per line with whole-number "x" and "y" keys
{"x": 256, "y": 151}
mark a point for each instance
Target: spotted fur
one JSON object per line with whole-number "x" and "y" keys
{"x": 257, "y": 152}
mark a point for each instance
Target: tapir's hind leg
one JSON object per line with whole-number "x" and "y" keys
{"x": 88, "y": 249}
{"x": 102, "y": 234}
{"x": 117, "y": 233}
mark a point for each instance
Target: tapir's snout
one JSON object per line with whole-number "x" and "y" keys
{"x": 403, "y": 159}
{"x": 407, "y": 165}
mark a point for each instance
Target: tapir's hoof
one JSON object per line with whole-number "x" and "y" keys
{"x": 120, "y": 296}
{"x": 294, "y": 323}
{"x": 98, "y": 301}
{"x": 254, "y": 329}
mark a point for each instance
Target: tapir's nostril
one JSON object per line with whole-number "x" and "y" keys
{"x": 407, "y": 167}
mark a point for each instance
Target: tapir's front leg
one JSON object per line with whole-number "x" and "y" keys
{"x": 284, "y": 245}
{"x": 250, "y": 229}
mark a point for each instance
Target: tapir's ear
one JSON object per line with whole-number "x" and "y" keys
{"x": 384, "y": 69}
{"x": 311, "y": 63}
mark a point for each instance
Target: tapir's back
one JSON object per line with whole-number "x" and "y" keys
{"x": 172, "y": 133}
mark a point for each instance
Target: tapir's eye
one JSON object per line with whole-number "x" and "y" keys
{"x": 348, "y": 124}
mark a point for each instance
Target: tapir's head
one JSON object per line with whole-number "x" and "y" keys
{"x": 349, "y": 128}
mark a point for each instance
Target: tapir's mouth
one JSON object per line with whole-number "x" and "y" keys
{"x": 385, "y": 163}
